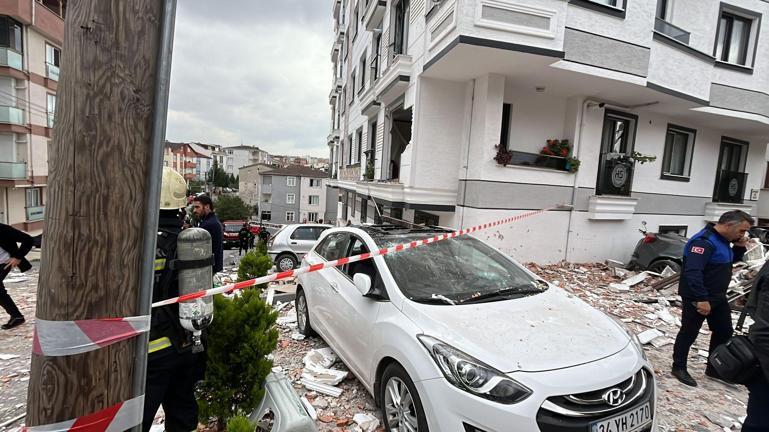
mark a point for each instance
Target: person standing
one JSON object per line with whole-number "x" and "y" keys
{"x": 758, "y": 399}
{"x": 705, "y": 277}
{"x": 12, "y": 256}
{"x": 243, "y": 239}
{"x": 203, "y": 208}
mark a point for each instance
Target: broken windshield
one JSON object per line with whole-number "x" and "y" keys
{"x": 456, "y": 269}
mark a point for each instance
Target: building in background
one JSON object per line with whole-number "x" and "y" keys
{"x": 243, "y": 155}
{"x": 440, "y": 112}
{"x": 31, "y": 35}
{"x": 186, "y": 160}
{"x": 250, "y": 183}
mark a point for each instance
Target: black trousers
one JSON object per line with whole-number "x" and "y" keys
{"x": 758, "y": 401}
{"x": 171, "y": 383}
{"x": 719, "y": 321}
{"x": 243, "y": 246}
{"x": 5, "y": 300}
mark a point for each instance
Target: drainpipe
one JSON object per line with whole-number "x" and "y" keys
{"x": 467, "y": 157}
{"x": 578, "y": 147}
{"x": 152, "y": 202}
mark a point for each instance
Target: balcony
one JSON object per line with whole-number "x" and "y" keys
{"x": 190, "y": 165}
{"x": 333, "y": 137}
{"x": 537, "y": 160}
{"x": 266, "y": 189}
{"x": 730, "y": 187}
{"x": 13, "y": 170}
{"x": 335, "y": 51}
{"x": 395, "y": 80}
{"x": 671, "y": 31}
{"x": 11, "y": 115}
{"x": 52, "y": 71}
{"x": 11, "y": 58}
{"x": 375, "y": 10}
{"x": 368, "y": 103}
{"x": 337, "y": 8}
{"x": 35, "y": 213}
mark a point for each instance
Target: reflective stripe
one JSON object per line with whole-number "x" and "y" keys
{"x": 160, "y": 264}
{"x": 159, "y": 344}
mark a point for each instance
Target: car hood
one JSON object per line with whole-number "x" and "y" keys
{"x": 547, "y": 331}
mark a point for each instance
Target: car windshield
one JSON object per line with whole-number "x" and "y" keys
{"x": 455, "y": 270}
{"x": 232, "y": 228}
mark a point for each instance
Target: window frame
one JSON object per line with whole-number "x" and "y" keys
{"x": 597, "y": 6}
{"x": 38, "y": 197}
{"x": 751, "y": 45}
{"x": 293, "y": 216}
{"x": 50, "y": 109}
{"x": 290, "y": 181}
{"x": 504, "y": 137}
{"x": 689, "y": 156}
{"x": 309, "y": 200}
{"x": 359, "y": 148}
{"x": 362, "y": 68}
{"x": 345, "y": 238}
{"x": 290, "y": 198}
{"x": 665, "y": 229}
{"x": 310, "y": 217}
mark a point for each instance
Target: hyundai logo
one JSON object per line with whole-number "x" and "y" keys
{"x": 614, "y": 397}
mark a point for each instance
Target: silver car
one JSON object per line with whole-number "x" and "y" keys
{"x": 289, "y": 245}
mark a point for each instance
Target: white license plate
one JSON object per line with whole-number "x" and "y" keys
{"x": 630, "y": 421}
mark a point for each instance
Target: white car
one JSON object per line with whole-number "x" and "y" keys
{"x": 455, "y": 336}
{"x": 287, "y": 246}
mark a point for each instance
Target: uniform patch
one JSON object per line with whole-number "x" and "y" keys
{"x": 698, "y": 250}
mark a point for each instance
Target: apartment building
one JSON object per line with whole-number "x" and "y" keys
{"x": 288, "y": 195}
{"x": 441, "y": 112}
{"x": 250, "y": 183}
{"x": 31, "y": 34}
{"x": 187, "y": 159}
{"x": 243, "y": 155}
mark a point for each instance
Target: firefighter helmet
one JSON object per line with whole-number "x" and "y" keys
{"x": 173, "y": 190}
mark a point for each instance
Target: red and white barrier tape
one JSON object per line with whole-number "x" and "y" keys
{"x": 64, "y": 338}
{"x": 117, "y": 418}
{"x": 342, "y": 261}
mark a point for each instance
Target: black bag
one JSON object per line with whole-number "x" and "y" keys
{"x": 736, "y": 361}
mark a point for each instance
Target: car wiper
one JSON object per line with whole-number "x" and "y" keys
{"x": 434, "y": 299}
{"x": 520, "y": 289}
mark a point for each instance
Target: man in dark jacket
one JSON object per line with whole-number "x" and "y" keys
{"x": 203, "y": 208}
{"x": 12, "y": 256}
{"x": 244, "y": 238}
{"x": 758, "y": 308}
{"x": 705, "y": 277}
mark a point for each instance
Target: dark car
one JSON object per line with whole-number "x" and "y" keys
{"x": 656, "y": 251}
{"x": 230, "y": 236}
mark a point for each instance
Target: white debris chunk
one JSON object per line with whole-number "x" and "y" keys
{"x": 367, "y": 422}
{"x": 703, "y": 353}
{"x": 310, "y": 409}
{"x": 8, "y": 356}
{"x": 297, "y": 336}
{"x": 635, "y": 280}
{"x": 667, "y": 272}
{"x": 285, "y": 320}
{"x": 665, "y": 315}
{"x": 270, "y": 295}
{"x": 662, "y": 341}
{"x": 321, "y": 358}
{"x": 321, "y": 388}
{"x": 649, "y": 335}
{"x": 325, "y": 376}
{"x": 619, "y": 287}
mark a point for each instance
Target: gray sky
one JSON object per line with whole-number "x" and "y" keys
{"x": 256, "y": 71}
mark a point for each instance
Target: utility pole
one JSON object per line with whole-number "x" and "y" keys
{"x": 104, "y": 182}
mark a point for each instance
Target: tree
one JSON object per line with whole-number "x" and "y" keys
{"x": 231, "y": 207}
{"x": 256, "y": 263}
{"x": 231, "y": 182}
{"x": 196, "y": 186}
{"x": 218, "y": 176}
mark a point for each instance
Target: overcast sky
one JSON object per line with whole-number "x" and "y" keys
{"x": 252, "y": 71}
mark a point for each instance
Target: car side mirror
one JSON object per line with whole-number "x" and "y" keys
{"x": 362, "y": 283}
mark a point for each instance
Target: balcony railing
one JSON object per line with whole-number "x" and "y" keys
{"x": 539, "y": 160}
{"x": 12, "y": 115}
{"x": 35, "y": 213}
{"x": 13, "y": 170}
{"x": 671, "y": 31}
{"x": 11, "y": 58}
{"x": 730, "y": 187}
{"x": 52, "y": 71}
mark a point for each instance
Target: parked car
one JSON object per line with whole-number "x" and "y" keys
{"x": 287, "y": 246}
{"x": 656, "y": 251}
{"x": 761, "y": 233}
{"x": 455, "y": 336}
{"x": 230, "y": 236}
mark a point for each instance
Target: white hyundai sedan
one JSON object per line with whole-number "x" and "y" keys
{"x": 455, "y": 336}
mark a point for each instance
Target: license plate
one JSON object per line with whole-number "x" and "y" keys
{"x": 629, "y": 421}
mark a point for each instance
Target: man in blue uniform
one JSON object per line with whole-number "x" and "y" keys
{"x": 705, "y": 277}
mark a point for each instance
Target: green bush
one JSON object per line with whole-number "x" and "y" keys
{"x": 231, "y": 207}
{"x": 254, "y": 264}
{"x": 261, "y": 248}
{"x": 239, "y": 424}
{"x": 241, "y": 336}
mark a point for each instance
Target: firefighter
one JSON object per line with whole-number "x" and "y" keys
{"x": 171, "y": 375}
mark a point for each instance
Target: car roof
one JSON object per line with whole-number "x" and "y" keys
{"x": 381, "y": 231}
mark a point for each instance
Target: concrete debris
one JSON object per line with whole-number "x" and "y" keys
{"x": 9, "y": 356}
{"x": 285, "y": 320}
{"x": 667, "y": 272}
{"x": 635, "y": 280}
{"x": 325, "y": 376}
{"x": 322, "y": 358}
{"x": 703, "y": 353}
{"x": 662, "y": 341}
{"x": 321, "y": 388}
{"x": 619, "y": 286}
{"x": 366, "y": 422}
{"x": 649, "y": 335}
{"x": 297, "y": 336}
{"x": 309, "y": 408}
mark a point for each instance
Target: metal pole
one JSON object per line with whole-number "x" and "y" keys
{"x": 151, "y": 205}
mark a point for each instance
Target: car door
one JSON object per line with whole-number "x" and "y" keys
{"x": 320, "y": 286}
{"x": 302, "y": 240}
{"x": 354, "y": 315}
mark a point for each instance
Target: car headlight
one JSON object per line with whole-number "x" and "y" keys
{"x": 473, "y": 376}
{"x": 633, "y": 337}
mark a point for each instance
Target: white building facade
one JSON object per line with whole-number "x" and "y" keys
{"x": 441, "y": 110}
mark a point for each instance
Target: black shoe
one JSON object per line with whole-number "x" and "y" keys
{"x": 683, "y": 376}
{"x": 13, "y": 322}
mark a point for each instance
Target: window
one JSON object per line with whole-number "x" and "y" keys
{"x": 333, "y": 247}
{"x": 662, "y": 9}
{"x": 352, "y": 87}
{"x": 359, "y": 140}
{"x": 266, "y": 215}
{"x": 733, "y": 155}
{"x": 363, "y": 210}
{"x": 354, "y": 23}
{"x": 505, "y": 134}
{"x": 362, "y": 69}
{"x": 52, "y": 61}
{"x": 51, "y": 108}
{"x": 614, "y": 8}
{"x": 679, "y": 148}
{"x": 375, "y": 57}
{"x": 612, "y": 3}
{"x": 34, "y": 197}
{"x": 312, "y": 217}
{"x": 290, "y": 199}
{"x": 291, "y": 181}
{"x": 350, "y": 143}
{"x": 11, "y": 34}
{"x": 401, "y": 26}
{"x": 619, "y": 133}
{"x": 314, "y": 200}
{"x": 343, "y": 100}
{"x": 673, "y": 229}
{"x": 289, "y": 216}
{"x": 737, "y": 36}
{"x": 315, "y": 182}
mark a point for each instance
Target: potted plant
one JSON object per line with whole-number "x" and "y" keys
{"x": 504, "y": 156}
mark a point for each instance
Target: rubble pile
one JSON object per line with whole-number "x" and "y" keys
{"x": 649, "y": 306}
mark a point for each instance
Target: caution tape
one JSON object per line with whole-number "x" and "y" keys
{"x": 342, "y": 261}
{"x": 117, "y": 418}
{"x": 64, "y": 338}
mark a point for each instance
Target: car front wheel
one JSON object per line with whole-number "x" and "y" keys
{"x": 401, "y": 406}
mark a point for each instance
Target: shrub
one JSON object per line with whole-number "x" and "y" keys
{"x": 239, "y": 424}
{"x": 254, "y": 264}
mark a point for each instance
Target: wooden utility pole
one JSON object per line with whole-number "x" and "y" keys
{"x": 100, "y": 177}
